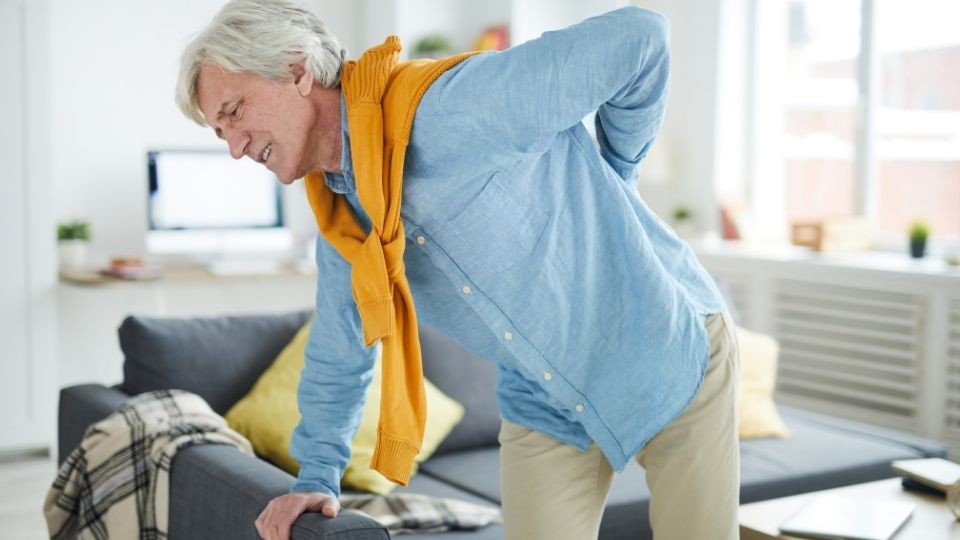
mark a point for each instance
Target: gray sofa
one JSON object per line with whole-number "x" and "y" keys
{"x": 217, "y": 492}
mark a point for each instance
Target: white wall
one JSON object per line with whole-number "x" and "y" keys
{"x": 691, "y": 119}
{"x": 27, "y": 270}
{"x": 113, "y": 67}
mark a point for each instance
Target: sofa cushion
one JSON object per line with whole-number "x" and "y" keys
{"x": 469, "y": 380}
{"x": 218, "y": 358}
{"x": 443, "y": 414}
{"x": 425, "y": 485}
{"x": 475, "y": 471}
{"x": 268, "y": 415}
{"x": 822, "y": 453}
{"x": 758, "y": 373}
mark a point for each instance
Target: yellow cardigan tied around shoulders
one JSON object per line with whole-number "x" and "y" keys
{"x": 381, "y": 98}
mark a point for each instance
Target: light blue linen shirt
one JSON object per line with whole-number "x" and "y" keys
{"x": 528, "y": 244}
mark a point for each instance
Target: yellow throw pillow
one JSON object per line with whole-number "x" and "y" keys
{"x": 443, "y": 414}
{"x": 268, "y": 414}
{"x": 758, "y": 373}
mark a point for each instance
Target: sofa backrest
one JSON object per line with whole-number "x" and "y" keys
{"x": 220, "y": 358}
{"x": 217, "y": 358}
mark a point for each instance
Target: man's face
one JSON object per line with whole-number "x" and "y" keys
{"x": 269, "y": 122}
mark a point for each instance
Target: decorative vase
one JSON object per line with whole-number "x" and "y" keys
{"x": 918, "y": 247}
{"x": 73, "y": 254}
{"x": 685, "y": 229}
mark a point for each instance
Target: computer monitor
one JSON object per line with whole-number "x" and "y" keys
{"x": 204, "y": 203}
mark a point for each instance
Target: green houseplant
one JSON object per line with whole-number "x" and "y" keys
{"x": 681, "y": 214}
{"x": 432, "y": 46}
{"x": 73, "y": 239}
{"x": 682, "y": 222}
{"x": 919, "y": 231}
{"x": 73, "y": 230}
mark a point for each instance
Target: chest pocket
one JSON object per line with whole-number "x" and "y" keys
{"x": 496, "y": 231}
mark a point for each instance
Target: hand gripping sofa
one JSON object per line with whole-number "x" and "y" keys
{"x": 217, "y": 492}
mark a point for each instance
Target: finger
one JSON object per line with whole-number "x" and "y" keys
{"x": 261, "y": 522}
{"x": 277, "y": 521}
{"x": 271, "y": 525}
{"x": 284, "y": 524}
{"x": 286, "y": 521}
{"x": 263, "y": 515}
{"x": 331, "y": 508}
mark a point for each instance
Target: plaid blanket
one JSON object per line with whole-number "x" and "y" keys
{"x": 116, "y": 483}
{"x": 414, "y": 513}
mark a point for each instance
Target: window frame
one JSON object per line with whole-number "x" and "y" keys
{"x": 763, "y": 118}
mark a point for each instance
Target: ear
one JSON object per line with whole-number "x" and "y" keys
{"x": 302, "y": 78}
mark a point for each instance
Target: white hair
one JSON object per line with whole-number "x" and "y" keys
{"x": 263, "y": 37}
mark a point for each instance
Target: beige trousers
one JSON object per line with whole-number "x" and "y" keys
{"x": 552, "y": 491}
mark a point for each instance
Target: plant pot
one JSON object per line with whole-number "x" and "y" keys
{"x": 686, "y": 230}
{"x": 918, "y": 247}
{"x": 73, "y": 254}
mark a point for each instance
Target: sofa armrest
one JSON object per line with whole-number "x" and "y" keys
{"x": 80, "y": 406}
{"x": 216, "y": 491}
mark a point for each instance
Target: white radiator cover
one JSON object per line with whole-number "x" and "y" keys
{"x": 951, "y": 421}
{"x": 873, "y": 342}
{"x": 852, "y": 347}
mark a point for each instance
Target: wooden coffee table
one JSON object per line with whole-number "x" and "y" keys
{"x": 931, "y": 519}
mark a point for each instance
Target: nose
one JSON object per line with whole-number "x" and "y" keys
{"x": 237, "y": 141}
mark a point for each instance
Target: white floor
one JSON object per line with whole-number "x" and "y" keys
{"x": 23, "y": 487}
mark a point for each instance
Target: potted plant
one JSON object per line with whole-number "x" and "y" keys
{"x": 432, "y": 46}
{"x": 72, "y": 240}
{"x": 919, "y": 231}
{"x": 683, "y": 222}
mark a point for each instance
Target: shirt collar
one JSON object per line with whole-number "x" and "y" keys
{"x": 342, "y": 182}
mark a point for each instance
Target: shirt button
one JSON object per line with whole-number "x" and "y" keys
{"x": 466, "y": 289}
{"x": 508, "y": 335}
{"x": 579, "y": 407}
{"x": 421, "y": 240}
{"x": 547, "y": 376}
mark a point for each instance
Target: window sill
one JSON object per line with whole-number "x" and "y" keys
{"x": 888, "y": 264}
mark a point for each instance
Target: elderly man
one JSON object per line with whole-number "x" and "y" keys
{"x": 467, "y": 193}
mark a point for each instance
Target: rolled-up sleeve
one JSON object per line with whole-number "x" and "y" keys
{"x": 616, "y": 64}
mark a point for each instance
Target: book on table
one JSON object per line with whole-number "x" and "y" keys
{"x": 937, "y": 473}
{"x": 839, "y": 517}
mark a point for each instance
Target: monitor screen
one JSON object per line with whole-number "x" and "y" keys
{"x": 201, "y": 189}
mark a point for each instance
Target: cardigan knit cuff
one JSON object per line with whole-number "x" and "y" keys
{"x": 393, "y": 458}
{"x": 377, "y": 317}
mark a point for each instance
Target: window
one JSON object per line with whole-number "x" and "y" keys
{"x": 856, "y": 111}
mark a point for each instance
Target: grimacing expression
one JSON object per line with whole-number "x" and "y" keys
{"x": 269, "y": 122}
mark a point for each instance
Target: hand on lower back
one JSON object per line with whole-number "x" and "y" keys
{"x": 277, "y": 518}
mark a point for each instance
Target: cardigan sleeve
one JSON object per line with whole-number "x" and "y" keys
{"x": 333, "y": 384}
{"x": 616, "y": 64}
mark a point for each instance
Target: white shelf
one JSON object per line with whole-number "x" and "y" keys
{"x": 462, "y": 21}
